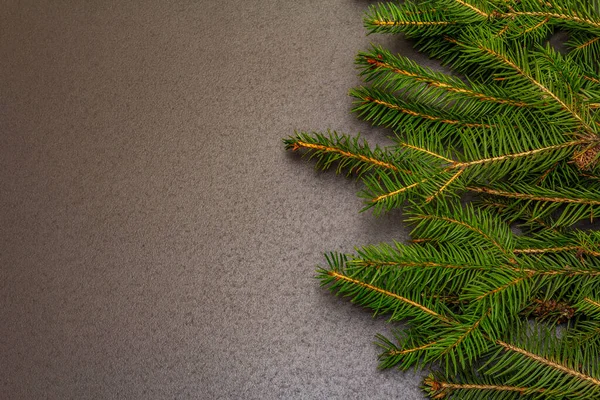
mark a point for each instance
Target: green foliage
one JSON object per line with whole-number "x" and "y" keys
{"x": 459, "y": 302}
{"x": 519, "y": 131}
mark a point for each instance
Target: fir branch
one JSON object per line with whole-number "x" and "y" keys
{"x": 535, "y": 357}
{"x": 447, "y": 229}
{"x": 552, "y": 16}
{"x": 588, "y": 43}
{"x": 348, "y": 152}
{"x": 592, "y": 79}
{"x": 549, "y": 363}
{"x": 590, "y": 306}
{"x": 441, "y": 388}
{"x": 528, "y": 196}
{"x": 384, "y": 109}
{"x": 399, "y": 74}
{"x": 397, "y": 352}
{"x": 361, "y": 284}
{"x": 518, "y": 155}
{"x": 445, "y": 185}
{"x": 423, "y": 150}
{"x": 557, "y": 207}
{"x": 341, "y": 277}
{"x": 380, "y": 196}
{"x": 411, "y": 18}
{"x": 505, "y": 58}
{"x": 331, "y": 149}
{"x": 472, "y": 7}
{"x": 515, "y": 281}
{"x": 577, "y": 249}
{"x": 523, "y": 132}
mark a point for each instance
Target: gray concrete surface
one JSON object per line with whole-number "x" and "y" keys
{"x": 157, "y": 241}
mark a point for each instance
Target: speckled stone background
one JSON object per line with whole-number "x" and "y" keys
{"x": 156, "y": 239}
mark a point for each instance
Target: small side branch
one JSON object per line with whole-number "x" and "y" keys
{"x": 477, "y": 10}
{"x": 338, "y": 276}
{"x": 408, "y": 351}
{"x": 409, "y": 23}
{"x": 330, "y": 149}
{"x": 443, "y": 387}
{"x": 589, "y": 42}
{"x": 564, "y": 17}
{"x": 452, "y": 179}
{"x": 505, "y": 286}
{"x": 578, "y": 249}
{"x": 525, "y": 196}
{"x": 518, "y": 155}
{"x": 421, "y": 115}
{"x": 544, "y": 361}
{"x": 469, "y": 227}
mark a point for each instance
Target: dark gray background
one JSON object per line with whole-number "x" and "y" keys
{"x": 157, "y": 241}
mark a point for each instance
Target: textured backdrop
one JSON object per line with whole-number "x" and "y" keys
{"x": 157, "y": 241}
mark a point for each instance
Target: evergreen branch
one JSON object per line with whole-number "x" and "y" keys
{"x": 588, "y": 43}
{"x": 577, "y": 249}
{"x": 383, "y": 69}
{"x": 557, "y": 207}
{"x": 341, "y": 277}
{"x": 592, "y": 79}
{"x": 507, "y": 210}
{"x": 589, "y": 306}
{"x": 562, "y": 17}
{"x": 499, "y": 289}
{"x": 477, "y": 10}
{"x": 526, "y": 196}
{"x": 439, "y": 388}
{"x": 463, "y": 165}
{"x": 402, "y": 23}
{"x": 330, "y": 149}
{"x": 536, "y": 26}
{"x": 448, "y": 182}
{"x": 549, "y": 363}
{"x": 574, "y": 243}
{"x": 412, "y": 347}
{"x": 423, "y": 150}
{"x": 455, "y": 343}
{"x": 410, "y": 18}
{"x": 517, "y": 155}
{"x": 446, "y": 15}
{"x": 464, "y": 335}
{"x": 593, "y": 303}
{"x": 434, "y": 231}
{"x": 396, "y": 192}
{"x": 504, "y": 59}
{"x": 406, "y": 264}
{"x": 398, "y": 352}
{"x": 376, "y": 98}
{"x": 586, "y": 335}
{"x": 348, "y": 152}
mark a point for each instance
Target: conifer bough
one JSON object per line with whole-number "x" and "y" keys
{"x": 520, "y": 131}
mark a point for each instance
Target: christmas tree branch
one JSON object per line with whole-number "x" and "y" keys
{"x": 528, "y": 196}
{"x": 384, "y": 109}
{"x": 396, "y": 73}
{"x": 348, "y": 152}
{"x": 507, "y": 60}
{"x": 549, "y": 363}
{"x": 442, "y": 388}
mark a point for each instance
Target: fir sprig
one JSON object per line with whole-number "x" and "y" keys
{"x": 519, "y": 131}
{"x": 493, "y": 287}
